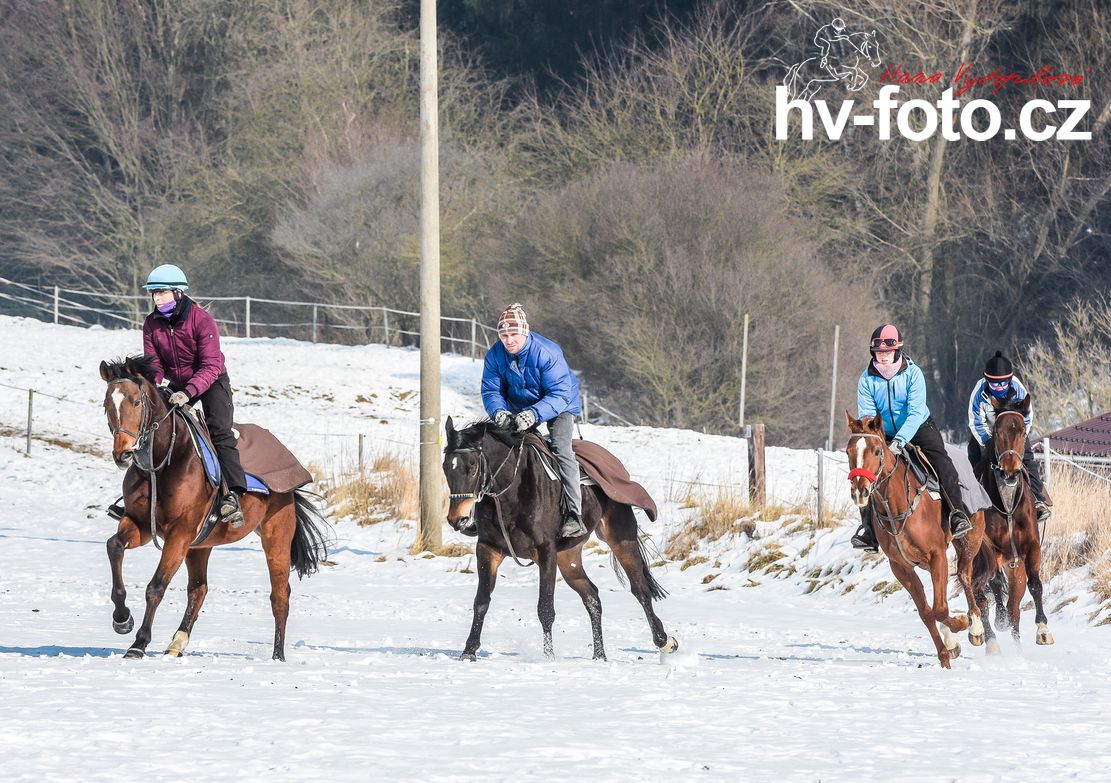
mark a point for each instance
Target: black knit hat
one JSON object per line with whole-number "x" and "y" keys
{"x": 998, "y": 368}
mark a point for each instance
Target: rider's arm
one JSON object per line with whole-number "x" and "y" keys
{"x": 865, "y": 400}
{"x": 977, "y": 418}
{"x": 492, "y": 398}
{"x": 558, "y": 384}
{"x": 1021, "y": 394}
{"x": 149, "y": 350}
{"x": 207, "y": 337}
{"x": 917, "y": 411}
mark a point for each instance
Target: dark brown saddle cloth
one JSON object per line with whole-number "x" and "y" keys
{"x": 607, "y": 472}
{"x": 262, "y": 455}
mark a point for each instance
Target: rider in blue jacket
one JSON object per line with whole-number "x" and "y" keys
{"x": 526, "y": 381}
{"x": 894, "y": 388}
{"x": 999, "y": 383}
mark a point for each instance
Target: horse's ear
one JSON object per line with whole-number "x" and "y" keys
{"x": 449, "y": 427}
{"x": 997, "y": 403}
{"x": 1024, "y": 406}
{"x": 129, "y": 365}
{"x": 105, "y": 373}
{"x": 854, "y": 424}
{"x": 875, "y": 424}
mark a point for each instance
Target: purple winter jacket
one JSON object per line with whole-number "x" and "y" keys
{"x": 185, "y": 347}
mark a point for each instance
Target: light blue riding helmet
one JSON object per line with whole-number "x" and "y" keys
{"x": 166, "y": 277}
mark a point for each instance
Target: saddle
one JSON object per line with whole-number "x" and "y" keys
{"x": 923, "y": 471}
{"x": 598, "y": 467}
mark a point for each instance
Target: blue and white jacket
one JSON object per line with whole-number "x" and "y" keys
{"x": 537, "y": 377}
{"x": 901, "y": 402}
{"x": 981, "y": 414}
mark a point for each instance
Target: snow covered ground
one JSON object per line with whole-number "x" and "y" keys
{"x": 770, "y": 682}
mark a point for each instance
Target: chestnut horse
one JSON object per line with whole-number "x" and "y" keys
{"x": 493, "y": 474}
{"x": 908, "y": 525}
{"x": 1012, "y": 547}
{"x": 151, "y": 442}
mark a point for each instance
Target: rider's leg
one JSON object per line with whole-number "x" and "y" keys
{"x": 928, "y": 438}
{"x": 976, "y": 455}
{"x": 865, "y": 537}
{"x": 560, "y": 429}
{"x": 1037, "y": 486}
{"x": 219, "y": 412}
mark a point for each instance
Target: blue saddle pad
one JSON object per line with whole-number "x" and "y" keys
{"x": 212, "y": 465}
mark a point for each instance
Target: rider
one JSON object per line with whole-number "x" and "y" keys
{"x": 999, "y": 383}
{"x": 829, "y": 41}
{"x": 184, "y": 342}
{"x": 894, "y": 388}
{"x": 526, "y": 381}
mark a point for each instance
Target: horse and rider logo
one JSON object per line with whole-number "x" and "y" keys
{"x": 839, "y": 59}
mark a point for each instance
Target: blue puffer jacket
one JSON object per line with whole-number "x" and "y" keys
{"x": 537, "y": 377}
{"x": 901, "y": 401}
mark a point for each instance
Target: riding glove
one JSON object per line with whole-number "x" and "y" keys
{"x": 502, "y": 419}
{"x": 896, "y": 447}
{"x": 179, "y": 398}
{"x": 524, "y": 420}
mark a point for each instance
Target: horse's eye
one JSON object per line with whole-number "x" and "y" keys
{"x": 135, "y": 404}
{"x": 878, "y": 452}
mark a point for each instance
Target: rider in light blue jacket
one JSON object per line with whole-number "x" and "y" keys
{"x": 526, "y": 381}
{"x": 893, "y": 388}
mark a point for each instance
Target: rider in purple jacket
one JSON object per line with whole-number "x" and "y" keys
{"x": 184, "y": 342}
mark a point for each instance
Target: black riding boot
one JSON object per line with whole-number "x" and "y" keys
{"x": 1037, "y": 486}
{"x": 865, "y": 537}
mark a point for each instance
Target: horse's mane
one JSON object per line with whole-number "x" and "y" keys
{"x": 474, "y": 433}
{"x": 131, "y": 368}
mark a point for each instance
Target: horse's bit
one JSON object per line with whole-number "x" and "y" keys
{"x": 144, "y": 448}
{"x": 486, "y": 478}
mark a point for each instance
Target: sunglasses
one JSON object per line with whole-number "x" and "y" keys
{"x": 999, "y": 385}
{"x": 885, "y": 342}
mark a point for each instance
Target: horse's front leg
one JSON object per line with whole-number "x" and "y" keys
{"x": 1033, "y": 563}
{"x": 939, "y": 576}
{"x": 128, "y": 536}
{"x": 909, "y": 579}
{"x": 545, "y": 607}
{"x": 173, "y": 553}
{"x": 488, "y": 561}
{"x": 196, "y": 561}
{"x": 966, "y": 555}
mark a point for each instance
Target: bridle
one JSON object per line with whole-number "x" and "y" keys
{"x": 486, "y": 487}
{"x": 892, "y": 523}
{"x": 1010, "y": 493}
{"x": 143, "y": 450}
{"x": 862, "y": 472}
{"x": 995, "y": 444}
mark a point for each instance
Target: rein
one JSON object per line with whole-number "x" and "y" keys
{"x": 487, "y": 490}
{"x": 144, "y": 448}
{"x": 893, "y": 524}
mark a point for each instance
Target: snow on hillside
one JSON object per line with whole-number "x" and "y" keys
{"x": 774, "y": 678}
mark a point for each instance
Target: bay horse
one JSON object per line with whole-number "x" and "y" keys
{"x": 1012, "y": 547}
{"x": 493, "y": 474}
{"x": 151, "y": 442}
{"x": 908, "y": 525}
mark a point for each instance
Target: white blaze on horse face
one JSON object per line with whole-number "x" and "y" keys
{"x": 117, "y": 400}
{"x": 455, "y": 463}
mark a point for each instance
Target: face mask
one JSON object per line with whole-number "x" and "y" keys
{"x": 167, "y": 308}
{"x": 998, "y": 393}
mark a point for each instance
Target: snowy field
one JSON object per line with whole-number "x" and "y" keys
{"x": 770, "y": 682}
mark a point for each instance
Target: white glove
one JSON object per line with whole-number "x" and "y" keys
{"x": 502, "y": 419}
{"x": 525, "y": 420}
{"x": 179, "y": 398}
{"x": 896, "y": 447}
{"x": 164, "y": 383}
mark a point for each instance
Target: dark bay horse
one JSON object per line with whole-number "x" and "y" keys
{"x": 1012, "y": 548}
{"x": 493, "y": 474}
{"x": 149, "y": 437}
{"x": 907, "y": 523}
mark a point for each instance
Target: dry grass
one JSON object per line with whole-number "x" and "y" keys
{"x": 388, "y": 490}
{"x": 721, "y": 515}
{"x": 1079, "y": 532}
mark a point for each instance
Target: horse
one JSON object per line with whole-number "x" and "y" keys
{"x": 908, "y": 525}
{"x": 805, "y": 79}
{"x": 151, "y": 442}
{"x": 1012, "y": 547}
{"x": 493, "y": 474}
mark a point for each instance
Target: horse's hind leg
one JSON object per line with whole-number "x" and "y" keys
{"x": 950, "y": 624}
{"x": 128, "y": 536}
{"x": 488, "y": 559}
{"x": 197, "y": 564}
{"x": 1016, "y": 585}
{"x": 619, "y": 530}
{"x": 571, "y": 566}
{"x": 545, "y": 605}
{"x": 277, "y": 531}
{"x": 1033, "y": 561}
{"x": 1002, "y": 619}
{"x": 173, "y": 552}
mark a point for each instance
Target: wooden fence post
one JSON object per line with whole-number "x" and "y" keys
{"x": 30, "y": 407}
{"x": 1047, "y": 479}
{"x": 248, "y": 316}
{"x": 757, "y": 489}
{"x": 360, "y": 453}
{"x": 386, "y": 325}
{"x": 314, "y": 323}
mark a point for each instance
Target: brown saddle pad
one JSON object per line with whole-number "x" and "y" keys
{"x": 264, "y": 455}
{"x": 608, "y": 473}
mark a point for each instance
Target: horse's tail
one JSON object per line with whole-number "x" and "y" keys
{"x": 984, "y": 566}
{"x": 654, "y": 588}
{"x": 789, "y": 79}
{"x": 310, "y": 541}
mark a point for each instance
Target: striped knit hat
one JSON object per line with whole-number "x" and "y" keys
{"x": 513, "y": 321}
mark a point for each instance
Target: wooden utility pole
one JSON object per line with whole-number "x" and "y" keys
{"x": 430, "y": 499}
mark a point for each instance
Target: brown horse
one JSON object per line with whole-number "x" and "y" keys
{"x": 907, "y": 523}
{"x": 151, "y": 442}
{"x": 494, "y": 475}
{"x": 1012, "y": 548}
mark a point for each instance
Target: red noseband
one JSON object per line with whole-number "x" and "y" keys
{"x": 863, "y": 473}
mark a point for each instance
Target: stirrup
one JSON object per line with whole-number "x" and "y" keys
{"x": 959, "y": 524}
{"x": 572, "y": 527}
{"x": 1044, "y": 511}
{"x": 231, "y": 511}
{"x": 865, "y": 539}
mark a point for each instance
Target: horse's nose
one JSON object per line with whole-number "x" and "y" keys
{"x": 125, "y": 459}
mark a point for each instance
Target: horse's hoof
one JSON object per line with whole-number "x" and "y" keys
{"x": 945, "y": 662}
{"x": 993, "y": 647}
{"x": 976, "y": 640}
{"x": 670, "y": 646}
{"x": 1045, "y": 638}
{"x": 124, "y": 627}
{"x": 468, "y": 657}
{"x": 601, "y": 657}
{"x": 172, "y": 653}
{"x": 135, "y": 652}
{"x": 278, "y": 656}
{"x": 178, "y": 644}
{"x": 955, "y": 652}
